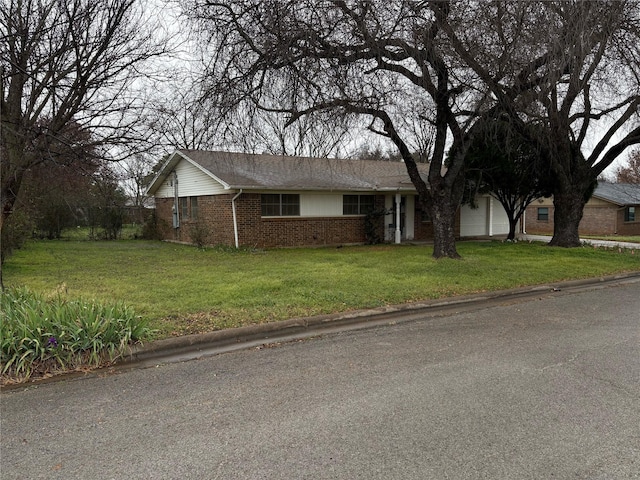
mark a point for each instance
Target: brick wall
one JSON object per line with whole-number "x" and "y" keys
{"x": 164, "y": 218}
{"x": 214, "y": 225}
{"x": 596, "y": 220}
{"x": 628, "y": 228}
{"x": 254, "y": 230}
{"x": 215, "y": 222}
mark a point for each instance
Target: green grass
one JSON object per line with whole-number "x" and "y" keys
{"x": 182, "y": 289}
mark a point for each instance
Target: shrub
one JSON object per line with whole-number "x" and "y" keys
{"x": 199, "y": 234}
{"x": 372, "y": 228}
{"x": 43, "y": 336}
{"x": 153, "y": 227}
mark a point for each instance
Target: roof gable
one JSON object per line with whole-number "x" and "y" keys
{"x": 172, "y": 163}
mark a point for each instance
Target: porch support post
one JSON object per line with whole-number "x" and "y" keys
{"x": 235, "y": 219}
{"x": 398, "y": 231}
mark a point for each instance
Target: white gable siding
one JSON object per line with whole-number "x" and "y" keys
{"x": 191, "y": 182}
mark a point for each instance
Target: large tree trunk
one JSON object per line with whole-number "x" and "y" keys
{"x": 443, "y": 216}
{"x": 10, "y": 185}
{"x": 513, "y": 222}
{"x": 567, "y": 214}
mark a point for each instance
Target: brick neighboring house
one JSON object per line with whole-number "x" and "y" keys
{"x": 613, "y": 209}
{"x": 238, "y": 199}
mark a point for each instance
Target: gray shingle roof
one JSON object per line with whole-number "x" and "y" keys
{"x": 619, "y": 193}
{"x": 251, "y": 171}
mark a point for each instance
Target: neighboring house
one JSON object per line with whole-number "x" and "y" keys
{"x": 613, "y": 209}
{"x": 275, "y": 201}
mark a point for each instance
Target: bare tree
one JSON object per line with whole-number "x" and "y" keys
{"x": 321, "y": 134}
{"x": 184, "y": 117}
{"x": 178, "y": 117}
{"x": 134, "y": 175}
{"x": 387, "y": 62}
{"x": 630, "y": 173}
{"x": 574, "y": 71}
{"x": 62, "y": 63}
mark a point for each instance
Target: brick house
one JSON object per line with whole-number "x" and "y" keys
{"x": 238, "y": 199}
{"x": 613, "y": 209}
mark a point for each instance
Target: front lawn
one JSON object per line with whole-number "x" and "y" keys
{"x": 181, "y": 289}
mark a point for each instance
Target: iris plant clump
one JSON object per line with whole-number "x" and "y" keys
{"x": 44, "y": 336}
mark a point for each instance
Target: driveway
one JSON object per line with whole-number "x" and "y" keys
{"x": 591, "y": 241}
{"x": 539, "y": 388}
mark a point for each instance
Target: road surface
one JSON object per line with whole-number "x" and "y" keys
{"x": 543, "y": 388}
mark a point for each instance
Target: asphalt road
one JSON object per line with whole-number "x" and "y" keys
{"x": 544, "y": 388}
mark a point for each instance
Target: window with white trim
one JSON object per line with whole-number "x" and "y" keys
{"x": 358, "y": 204}
{"x": 630, "y": 214}
{"x": 543, "y": 214}
{"x": 280, "y": 204}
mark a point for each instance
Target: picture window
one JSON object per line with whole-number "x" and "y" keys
{"x": 280, "y": 204}
{"x": 358, "y": 204}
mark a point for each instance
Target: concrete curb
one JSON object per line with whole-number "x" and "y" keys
{"x": 270, "y": 332}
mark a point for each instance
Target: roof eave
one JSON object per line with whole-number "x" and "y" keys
{"x": 319, "y": 189}
{"x": 600, "y": 197}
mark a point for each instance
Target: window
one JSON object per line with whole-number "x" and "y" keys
{"x": 184, "y": 208}
{"x": 194, "y": 207}
{"x": 188, "y": 208}
{"x": 280, "y": 204}
{"x": 358, "y": 204}
{"x": 543, "y": 214}
{"x": 630, "y": 214}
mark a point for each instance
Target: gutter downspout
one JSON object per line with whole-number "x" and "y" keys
{"x": 176, "y": 201}
{"x": 235, "y": 220}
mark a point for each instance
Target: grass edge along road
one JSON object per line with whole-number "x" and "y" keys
{"x": 180, "y": 289}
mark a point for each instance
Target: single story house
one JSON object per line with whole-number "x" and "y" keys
{"x": 241, "y": 199}
{"x": 613, "y": 209}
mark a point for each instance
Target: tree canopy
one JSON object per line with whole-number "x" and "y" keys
{"x": 68, "y": 63}
{"x": 630, "y": 173}
{"x": 424, "y": 73}
{"x": 501, "y": 161}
